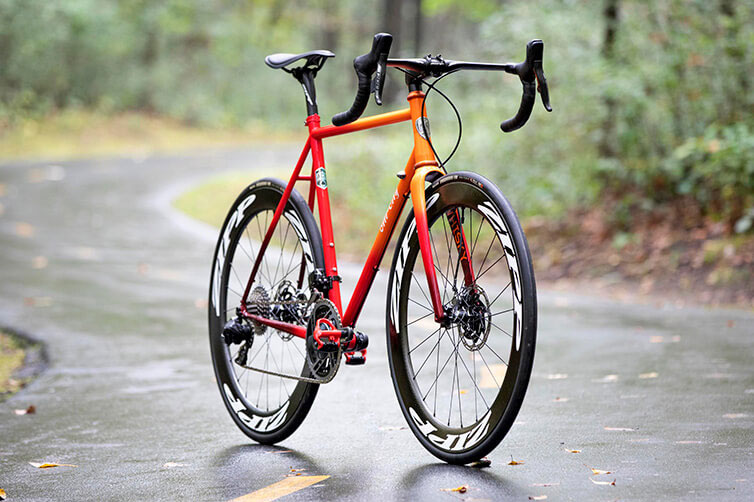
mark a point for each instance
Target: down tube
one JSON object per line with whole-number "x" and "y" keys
{"x": 372, "y": 265}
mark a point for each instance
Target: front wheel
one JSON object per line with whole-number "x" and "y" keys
{"x": 461, "y": 385}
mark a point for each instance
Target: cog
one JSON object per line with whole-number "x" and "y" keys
{"x": 259, "y": 304}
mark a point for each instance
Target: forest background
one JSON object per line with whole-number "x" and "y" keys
{"x": 641, "y": 178}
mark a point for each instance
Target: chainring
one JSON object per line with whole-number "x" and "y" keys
{"x": 322, "y": 365}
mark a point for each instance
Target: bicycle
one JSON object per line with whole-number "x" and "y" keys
{"x": 275, "y": 311}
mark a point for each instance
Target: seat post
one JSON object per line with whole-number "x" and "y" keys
{"x": 305, "y": 76}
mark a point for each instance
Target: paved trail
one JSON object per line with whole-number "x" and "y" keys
{"x": 663, "y": 398}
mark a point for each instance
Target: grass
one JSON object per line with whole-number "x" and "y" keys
{"x": 81, "y": 134}
{"x": 210, "y": 201}
{"x": 12, "y": 355}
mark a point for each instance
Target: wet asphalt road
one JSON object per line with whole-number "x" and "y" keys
{"x": 661, "y": 397}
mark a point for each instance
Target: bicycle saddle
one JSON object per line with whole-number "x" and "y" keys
{"x": 315, "y": 58}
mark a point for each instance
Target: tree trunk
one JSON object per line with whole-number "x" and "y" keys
{"x": 417, "y": 27}
{"x": 611, "y": 15}
{"x": 391, "y": 23}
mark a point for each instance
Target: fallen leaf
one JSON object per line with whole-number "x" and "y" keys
{"x": 39, "y": 262}
{"x": 619, "y": 429}
{"x": 572, "y": 451}
{"x": 560, "y": 399}
{"x": 481, "y": 463}
{"x": 652, "y": 374}
{"x": 463, "y": 391}
{"x": 47, "y": 465}
{"x": 606, "y": 379}
{"x": 600, "y": 471}
{"x": 735, "y": 415}
{"x": 170, "y": 465}
{"x": 557, "y": 376}
{"x": 459, "y": 489}
{"x": 612, "y": 483}
{"x": 537, "y": 497}
{"x": 514, "y": 462}
{"x": 24, "y": 229}
{"x": 38, "y": 301}
{"x": 3, "y": 495}
{"x": 28, "y": 411}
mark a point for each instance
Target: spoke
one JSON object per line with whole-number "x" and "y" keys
{"x": 473, "y": 379}
{"x": 445, "y": 278}
{"x": 416, "y": 373}
{"x": 437, "y": 369}
{"x": 422, "y": 342}
{"x": 501, "y": 329}
{"x": 502, "y": 312}
{"x": 476, "y": 239}
{"x": 488, "y": 369}
{"x": 413, "y": 277}
{"x": 452, "y": 385}
{"x": 450, "y": 254}
{"x": 419, "y": 304}
{"x": 279, "y": 368}
{"x": 441, "y": 369}
{"x": 487, "y": 269}
{"x": 419, "y": 319}
{"x": 496, "y": 355}
{"x": 239, "y": 295}
{"x": 500, "y": 293}
{"x": 485, "y": 256}
{"x": 240, "y": 283}
{"x": 476, "y": 390}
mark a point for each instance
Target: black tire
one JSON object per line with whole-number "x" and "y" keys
{"x": 485, "y": 212}
{"x": 249, "y": 219}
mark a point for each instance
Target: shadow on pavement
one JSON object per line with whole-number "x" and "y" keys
{"x": 424, "y": 482}
{"x": 246, "y": 468}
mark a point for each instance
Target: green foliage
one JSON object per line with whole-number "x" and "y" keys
{"x": 637, "y": 121}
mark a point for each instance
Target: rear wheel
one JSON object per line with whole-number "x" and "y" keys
{"x": 267, "y": 408}
{"x": 460, "y": 386}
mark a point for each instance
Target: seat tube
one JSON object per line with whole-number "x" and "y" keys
{"x": 319, "y": 178}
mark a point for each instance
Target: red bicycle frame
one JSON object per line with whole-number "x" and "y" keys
{"x": 421, "y": 163}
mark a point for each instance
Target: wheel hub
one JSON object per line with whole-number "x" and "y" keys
{"x": 469, "y": 314}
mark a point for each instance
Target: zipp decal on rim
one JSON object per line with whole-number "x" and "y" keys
{"x": 498, "y": 225}
{"x": 453, "y": 442}
{"x": 234, "y": 220}
{"x": 257, "y": 423}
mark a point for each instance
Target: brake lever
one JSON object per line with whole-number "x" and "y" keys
{"x": 542, "y": 85}
{"x": 378, "y": 82}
